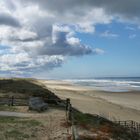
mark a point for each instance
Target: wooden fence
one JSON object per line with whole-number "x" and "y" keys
{"x": 130, "y": 125}
{"x": 11, "y": 101}
{"x": 16, "y": 101}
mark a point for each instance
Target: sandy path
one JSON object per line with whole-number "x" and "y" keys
{"x": 50, "y": 112}
{"x": 14, "y": 114}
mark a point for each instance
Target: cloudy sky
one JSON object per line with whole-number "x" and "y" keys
{"x": 69, "y": 38}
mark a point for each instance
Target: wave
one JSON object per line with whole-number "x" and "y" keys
{"x": 115, "y": 84}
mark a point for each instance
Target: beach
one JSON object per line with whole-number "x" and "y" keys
{"x": 112, "y": 105}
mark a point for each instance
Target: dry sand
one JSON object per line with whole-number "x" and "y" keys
{"x": 120, "y": 106}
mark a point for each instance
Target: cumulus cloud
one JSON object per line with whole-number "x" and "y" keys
{"x": 38, "y": 34}
{"x": 22, "y": 62}
{"x": 63, "y": 43}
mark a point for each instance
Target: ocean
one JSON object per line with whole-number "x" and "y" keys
{"x": 113, "y": 84}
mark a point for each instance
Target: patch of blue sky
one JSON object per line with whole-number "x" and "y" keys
{"x": 5, "y": 49}
{"x": 121, "y": 53}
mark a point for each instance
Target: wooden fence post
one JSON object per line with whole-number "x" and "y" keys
{"x": 70, "y": 112}
{"x": 12, "y": 101}
{"x": 9, "y": 101}
{"x": 125, "y": 123}
{"x": 67, "y": 103}
{"x": 67, "y": 108}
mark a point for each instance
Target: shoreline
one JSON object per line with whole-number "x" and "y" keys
{"x": 112, "y": 105}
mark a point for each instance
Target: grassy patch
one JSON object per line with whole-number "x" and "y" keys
{"x": 4, "y": 119}
{"x": 100, "y": 124}
{"x": 7, "y": 108}
{"x": 15, "y": 120}
{"x": 16, "y": 134}
{"x": 19, "y": 128}
{"x": 23, "y": 88}
{"x": 91, "y": 120}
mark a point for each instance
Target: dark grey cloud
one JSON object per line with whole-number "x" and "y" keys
{"x": 63, "y": 45}
{"x": 128, "y": 9}
{"x": 66, "y": 49}
{"x": 6, "y": 19}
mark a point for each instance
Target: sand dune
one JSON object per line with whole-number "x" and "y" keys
{"x": 120, "y": 106}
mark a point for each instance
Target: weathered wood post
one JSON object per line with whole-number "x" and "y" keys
{"x": 139, "y": 128}
{"x": 67, "y": 107}
{"x": 75, "y": 135}
{"x": 12, "y": 101}
{"x": 132, "y": 126}
{"x": 70, "y": 112}
{"x": 67, "y": 103}
{"x": 9, "y": 101}
{"x": 125, "y": 124}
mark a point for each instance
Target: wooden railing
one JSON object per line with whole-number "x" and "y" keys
{"x": 11, "y": 101}
{"x": 20, "y": 101}
{"x": 130, "y": 125}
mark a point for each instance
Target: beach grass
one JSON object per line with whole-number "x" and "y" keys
{"x": 23, "y": 88}
{"x": 18, "y": 128}
{"x": 98, "y": 124}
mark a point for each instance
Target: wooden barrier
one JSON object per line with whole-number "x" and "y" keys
{"x": 17, "y": 101}
{"x": 130, "y": 125}
{"x": 70, "y": 118}
{"x": 11, "y": 101}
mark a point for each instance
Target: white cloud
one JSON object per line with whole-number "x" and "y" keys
{"x": 73, "y": 41}
{"x": 24, "y": 35}
{"x": 98, "y": 51}
{"x": 108, "y": 34}
{"x": 132, "y": 36}
{"x": 130, "y": 28}
{"x": 23, "y": 63}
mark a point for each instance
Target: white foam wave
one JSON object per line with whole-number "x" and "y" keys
{"x": 107, "y": 83}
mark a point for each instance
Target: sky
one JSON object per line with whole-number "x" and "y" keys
{"x": 69, "y": 38}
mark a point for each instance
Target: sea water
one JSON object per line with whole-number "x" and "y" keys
{"x": 113, "y": 84}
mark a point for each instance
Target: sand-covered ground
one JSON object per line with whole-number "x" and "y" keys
{"x": 120, "y": 106}
{"x": 34, "y": 126}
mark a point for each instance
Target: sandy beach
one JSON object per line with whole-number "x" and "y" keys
{"x": 112, "y": 105}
